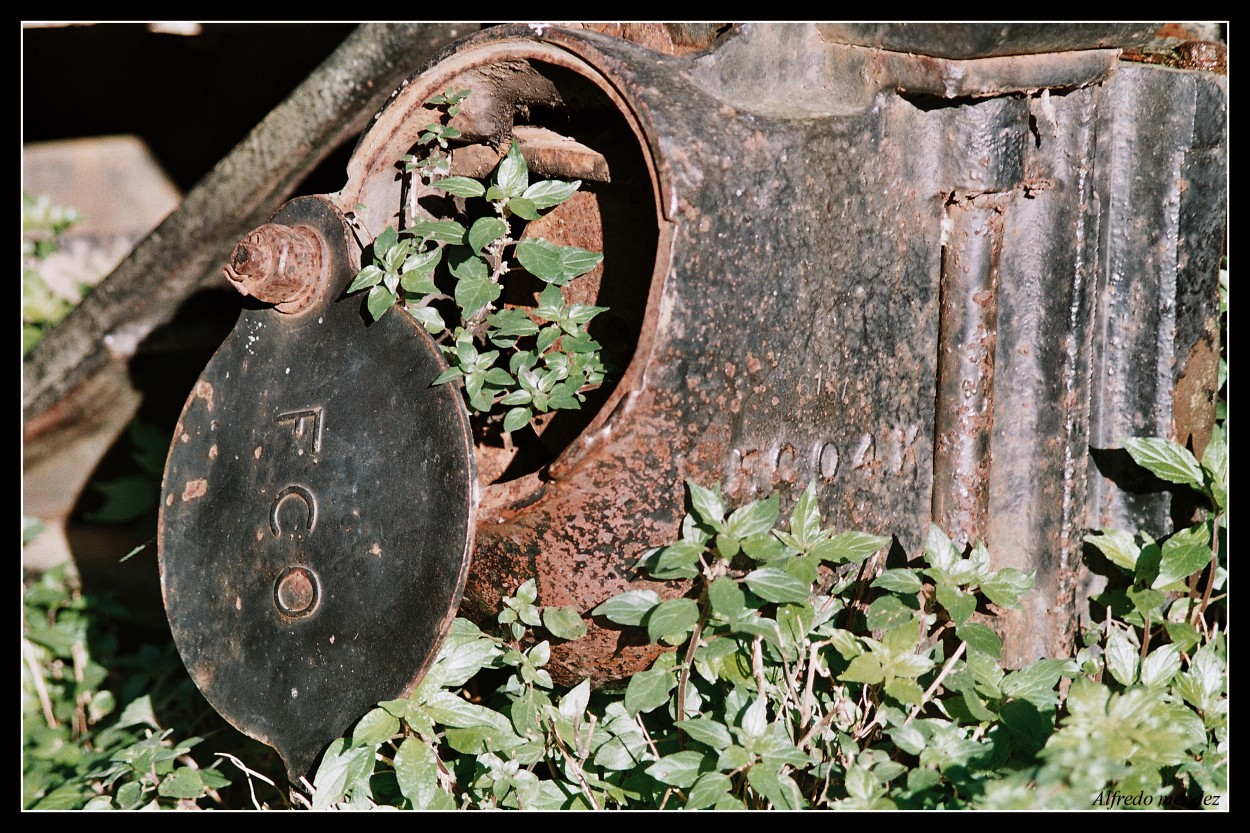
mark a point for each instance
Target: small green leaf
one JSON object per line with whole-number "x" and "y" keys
{"x": 138, "y": 712}
{"x": 888, "y": 612}
{"x": 628, "y": 608}
{"x": 938, "y": 549}
{"x": 1036, "y": 681}
{"x": 547, "y": 336}
{"x": 1005, "y": 587}
{"x": 1160, "y": 666}
{"x": 540, "y": 258}
{"x": 775, "y": 585}
{"x": 726, "y": 597}
{"x": 707, "y": 504}
{"x": 369, "y": 276}
{"x": 980, "y": 638}
{"x": 854, "y": 547}
{"x": 905, "y": 690}
{"x": 447, "y": 375}
{"x": 680, "y": 560}
{"x": 516, "y": 419}
{"x": 865, "y": 668}
{"x": 523, "y": 208}
{"x": 648, "y": 690}
{"x": 708, "y": 731}
{"x": 710, "y": 788}
{"x": 681, "y": 769}
{"x": 416, "y": 771}
{"x": 1118, "y": 546}
{"x": 908, "y": 738}
{"x": 499, "y": 377}
{"x": 513, "y": 322}
{"x": 512, "y": 175}
{"x": 473, "y": 294}
{"x": 340, "y": 770}
{"x": 755, "y": 718}
{"x": 805, "y": 517}
{"x": 1184, "y": 554}
{"x": 1183, "y": 635}
{"x": 485, "y": 231}
{"x": 379, "y": 300}
{"x": 671, "y": 620}
{"x": 441, "y": 231}
{"x": 550, "y": 192}
{"x": 780, "y": 790}
{"x": 564, "y": 622}
{"x": 573, "y": 705}
{"x": 735, "y": 757}
{"x": 384, "y": 242}
{"x": 756, "y": 518}
{"x": 900, "y": 581}
{"x": 958, "y": 604}
{"x": 1164, "y": 459}
{"x": 183, "y": 782}
{"x": 576, "y": 261}
{"x": 461, "y": 186}
{"x": 1215, "y": 462}
{"x": 1146, "y": 601}
{"x": 1121, "y": 658}
{"x": 458, "y": 663}
{"x": 376, "y": 727}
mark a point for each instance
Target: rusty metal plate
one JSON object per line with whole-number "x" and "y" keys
{"x": 317, "y": 512}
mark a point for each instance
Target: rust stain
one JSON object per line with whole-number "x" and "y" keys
{"x": 1193, "y": 400}
{"x": 204, "y": 391}
{"x": 194, "y": 489}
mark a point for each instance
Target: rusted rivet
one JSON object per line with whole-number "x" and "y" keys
{"x": 280, "y": 265}
{"x": 296, "y": 591}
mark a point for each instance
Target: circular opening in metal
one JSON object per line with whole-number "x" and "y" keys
{"x": 569, "y": 125}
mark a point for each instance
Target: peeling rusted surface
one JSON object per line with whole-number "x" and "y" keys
{"x": 1193, "y": 400}
{"x": 1204, "y": 56}
{"x": 668, "y": 38}
{"x": 965, "y": 405}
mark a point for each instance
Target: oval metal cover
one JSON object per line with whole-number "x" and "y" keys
{"x": 317, "y": 513}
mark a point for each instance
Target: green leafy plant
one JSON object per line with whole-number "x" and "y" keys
{"x": 801, "y": 679}
{"x": 91, "y": 735}
{"x": 514, "y": 362}
{"x": 43, "y": 224}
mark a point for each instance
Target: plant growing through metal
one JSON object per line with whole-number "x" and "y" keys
{"x": 514, "y": 362}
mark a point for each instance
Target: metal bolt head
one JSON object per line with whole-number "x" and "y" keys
{"x": 296, "y": 591}
{"x": 280, "y": 265}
